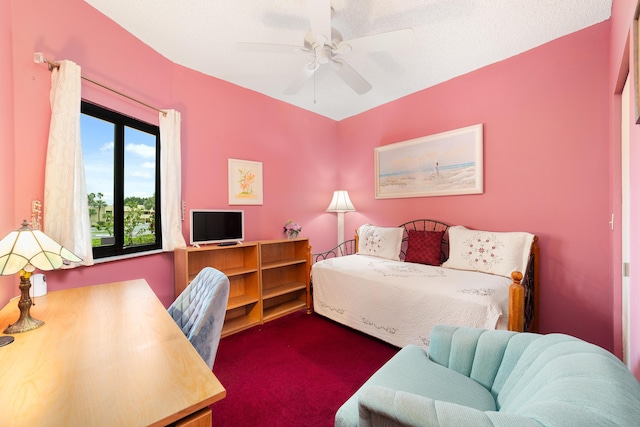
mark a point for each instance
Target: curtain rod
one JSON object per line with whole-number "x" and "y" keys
{"x": 39, "y": 58}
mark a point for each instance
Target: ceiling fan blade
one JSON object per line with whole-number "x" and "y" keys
{"x": 376, "y": 42}
{"x": 320, "y": 19}
{"x": 269, "y": 48}
{"x": 350, "y": 76}
{"x": 301, "y": 78}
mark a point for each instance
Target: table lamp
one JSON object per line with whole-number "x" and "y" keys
{"x": 341, "y": 203}
{"x": 23, "y": 251}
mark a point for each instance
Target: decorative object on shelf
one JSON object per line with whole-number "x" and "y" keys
{"x": 291, "y": 229}
{"x": 447, "y": 163}
{"x": 23, "y": 251}
{"x": 245, "y": 182}
{"x": 341, "y": 203}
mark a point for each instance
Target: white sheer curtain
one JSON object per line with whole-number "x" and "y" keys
{"x": 170, "y": 181}
{"x": 66, "y": 210}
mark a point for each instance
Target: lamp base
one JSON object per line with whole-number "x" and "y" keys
{"x": 25, "y": 322}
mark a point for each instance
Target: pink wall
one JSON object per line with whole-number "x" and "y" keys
{"x": 219, "y": 120}
{"x": 545, "y": 161}
{"x": 8, "y": 285}
{"x": 296, "y": 149}
{"x": 620, "y": 63}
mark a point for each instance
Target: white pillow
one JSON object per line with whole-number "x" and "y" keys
{"x": 383, "y": 242}
{"x": 499, "y": 253}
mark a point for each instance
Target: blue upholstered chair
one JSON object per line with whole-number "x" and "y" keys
{"x": 199, "y": 311}
{"x": 488, "y": 378}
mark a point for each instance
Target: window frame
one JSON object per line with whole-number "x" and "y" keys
{"x": 120, "y": 122}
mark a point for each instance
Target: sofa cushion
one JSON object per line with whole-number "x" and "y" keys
{"x": 424, "y": 247}
{"x": 410, "y": 370}
{"x": 487, "y": 356}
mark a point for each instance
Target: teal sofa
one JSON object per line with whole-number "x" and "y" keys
{"x": 475, "y": 377}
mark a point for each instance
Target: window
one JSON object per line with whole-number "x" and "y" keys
{"x": 122, "y": 167}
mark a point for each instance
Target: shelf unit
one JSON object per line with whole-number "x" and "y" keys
{"x": 284, "y": 275}
{"x": 268, "y": 279}
{"x": 240, "y": 264}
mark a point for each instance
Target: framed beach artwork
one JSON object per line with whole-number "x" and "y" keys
{"x": 245, "y": 182}
{"x": 444, "y": 164}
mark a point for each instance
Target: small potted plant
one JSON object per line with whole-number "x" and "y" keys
{"x": 292, "y": 229}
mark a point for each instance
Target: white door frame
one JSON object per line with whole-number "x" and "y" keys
{"x": 625, "y": 227}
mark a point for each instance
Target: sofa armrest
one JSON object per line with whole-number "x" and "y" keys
{"x": 382, "y": 406}
{"x": 379, "y": 406}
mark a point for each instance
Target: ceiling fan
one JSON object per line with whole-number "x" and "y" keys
{"x": 324, "y": 45}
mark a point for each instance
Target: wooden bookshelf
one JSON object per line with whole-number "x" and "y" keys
{"x": 240, "y": 264}
{"x": 284, "y": 274}
{"x": 268, "y": 279}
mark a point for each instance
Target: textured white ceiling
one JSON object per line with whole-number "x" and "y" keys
{"x": 453, "y": 37}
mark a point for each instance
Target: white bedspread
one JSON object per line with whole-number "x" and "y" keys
{"x": 400, "y": 302}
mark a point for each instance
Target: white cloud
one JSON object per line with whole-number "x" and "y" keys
{"x": 142, "y": 150}
{"x": 141, "y": 174}
{"x": 108, "y": 146}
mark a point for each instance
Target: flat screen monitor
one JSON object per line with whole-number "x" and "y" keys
{"x": 216, "y": 226}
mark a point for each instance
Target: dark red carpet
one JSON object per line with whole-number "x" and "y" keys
{"x": 293, "y": 371}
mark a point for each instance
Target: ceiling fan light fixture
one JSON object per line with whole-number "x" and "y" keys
{"x": 312, "y": 66}
{"x": 325, "y": 45}
{"x": 323, "y": 54}
{"x": 320, "y": 39}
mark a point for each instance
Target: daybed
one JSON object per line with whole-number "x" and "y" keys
{"x": 478, "y": 378}
{"x": 401, "y": 281}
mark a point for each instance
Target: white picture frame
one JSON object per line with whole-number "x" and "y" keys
{"x": 245, "y": 182}
{"x": 444, "y": 164}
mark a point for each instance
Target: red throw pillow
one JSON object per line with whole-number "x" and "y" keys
{"x": 423, "y": 247}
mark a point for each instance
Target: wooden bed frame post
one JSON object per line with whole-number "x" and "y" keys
{"x": 524, "y": 299}
{"x": 535, "y": 250}
{"x": 516, "y": 303}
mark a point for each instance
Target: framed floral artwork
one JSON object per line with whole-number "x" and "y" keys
{"x": 444, "y": 164}
{"x": 245, "y": 182}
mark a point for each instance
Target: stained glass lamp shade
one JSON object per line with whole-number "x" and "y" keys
{"x": 22, "y": 251}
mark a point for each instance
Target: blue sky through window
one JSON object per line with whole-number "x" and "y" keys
{"x": 97, "y": 151}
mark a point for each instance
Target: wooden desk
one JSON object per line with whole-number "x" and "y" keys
{"x": 107, "y": 355}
